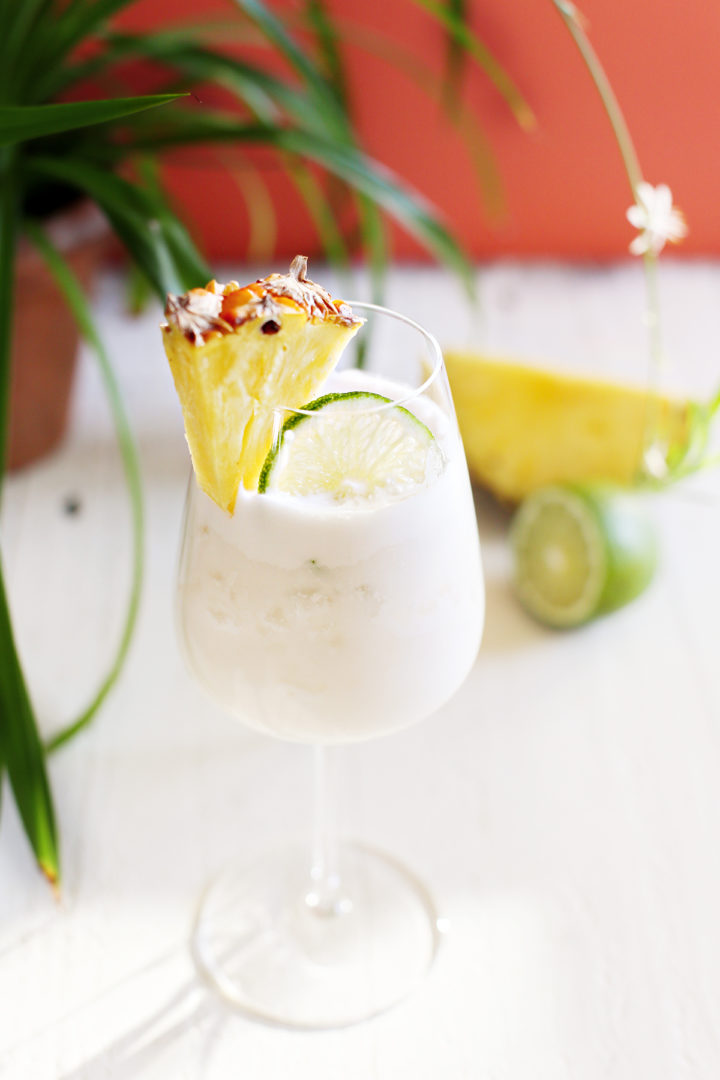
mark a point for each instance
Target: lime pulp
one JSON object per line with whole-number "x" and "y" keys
{"x": 352, "y": 447}
{"x": 581, "y": 551}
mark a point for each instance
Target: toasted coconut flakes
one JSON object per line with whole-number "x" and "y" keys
{"x": 197, "y": 313}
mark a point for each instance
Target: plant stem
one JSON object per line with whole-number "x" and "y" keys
{"x": 325, "y": 896}
{"x": 573, "y": 21}
{"x": 652, "y": 313}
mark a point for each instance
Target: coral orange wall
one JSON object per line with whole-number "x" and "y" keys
{"x": 565, "y": 189}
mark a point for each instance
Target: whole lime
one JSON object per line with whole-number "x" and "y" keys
{"x": 581, "y": 551}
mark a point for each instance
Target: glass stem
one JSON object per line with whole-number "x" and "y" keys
{"x": 325, "y": 896}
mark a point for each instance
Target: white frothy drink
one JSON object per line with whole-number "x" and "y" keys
{"x": 331, "y": 622}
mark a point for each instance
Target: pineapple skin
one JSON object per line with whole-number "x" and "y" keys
{"x": 524, "y": 428}
{"x": 230, "y": 384}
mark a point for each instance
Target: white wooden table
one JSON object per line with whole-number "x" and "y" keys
{"x": 564, "y": 807}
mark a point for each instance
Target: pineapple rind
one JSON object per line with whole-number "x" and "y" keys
{"x": 524, "y": 428}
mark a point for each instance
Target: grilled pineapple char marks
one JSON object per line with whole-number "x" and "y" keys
{"x": 236, "y": 355}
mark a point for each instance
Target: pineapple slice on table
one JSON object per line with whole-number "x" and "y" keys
{"x": 525, "y": 427}
{"x": 236, "y": 354}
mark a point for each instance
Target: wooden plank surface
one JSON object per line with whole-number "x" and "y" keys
{"x": 564, "y": 807}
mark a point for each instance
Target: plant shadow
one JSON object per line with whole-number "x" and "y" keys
{"x": 177, "y": 1038}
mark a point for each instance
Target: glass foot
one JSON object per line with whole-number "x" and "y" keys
{"x": 266, "y": 944}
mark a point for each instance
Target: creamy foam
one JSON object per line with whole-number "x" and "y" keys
{"x": 318, "y": 621}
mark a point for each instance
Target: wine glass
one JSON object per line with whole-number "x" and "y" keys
{"x": 325, "y": 622}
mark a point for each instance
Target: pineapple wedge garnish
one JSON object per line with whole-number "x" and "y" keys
{"x": 237, "y": 355}
{"x": 525, "y": 427}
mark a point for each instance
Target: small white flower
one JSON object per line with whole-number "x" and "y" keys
{"x": 657, "y": 219}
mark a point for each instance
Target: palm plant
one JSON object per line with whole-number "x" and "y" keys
{"x": 55, "y": 148}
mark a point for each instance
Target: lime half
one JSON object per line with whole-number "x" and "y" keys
{"x": 581, "y": 551}
{"x": 352, "y": 448}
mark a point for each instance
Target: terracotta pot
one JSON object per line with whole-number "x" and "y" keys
{"x": 45, "y": 337}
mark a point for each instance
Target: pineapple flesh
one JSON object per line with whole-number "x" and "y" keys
{"x": 523, "y": 427}
{"x": 237, "y": 355}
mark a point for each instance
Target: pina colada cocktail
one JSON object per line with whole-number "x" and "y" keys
{"x": 329, "y": 591}
{"x": 328, "y": 621}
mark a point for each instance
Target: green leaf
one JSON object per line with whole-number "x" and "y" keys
{"x": 260, "y": 90}
{"x": 461, "y": 115}
{"x": 116, "y": 47}
{"x": 137, "y": 229}
{"x": 456, "y": 26}
{"x": 18, "y": 19}
{"x": 374, "y": 239}
{"x": 260, "y": 209}
{"x": 19, "y": 123}
{"x": 19, "y": 24}
{"x": 406, "y": 206}
{"x": 72, "y": 291}
{"x": 153, "y": 236}
{"x": 63, "y": 29}
{"x": 371, "y": 224}
{"x": 23, "y": 753}
{"x": 316, "y": 202}
{"x": 265, "y": 94}
{"x": 455, "y": 55}
{"x": 327, "y": 228}
{"x": 372, "y": 228}
{"x": 138, "y": 289}
{"x": 324, "y": 97}
{"x": 20, "y": 747}
{"x": 694, "y": 453}
{"x": 190, "y": 266}
{"x": 329, "y": 47}
{"x": 8, "y": 213}
{"x": 9, "y": 197}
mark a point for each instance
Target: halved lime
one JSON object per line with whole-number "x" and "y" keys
{"x": 352, "y": 448}
{"x": 581, "y": 551}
